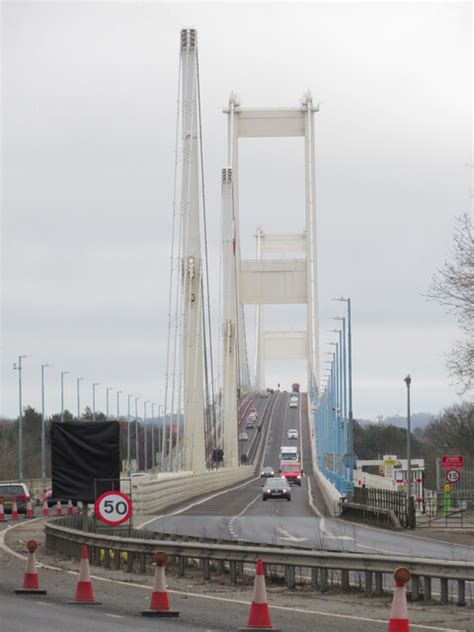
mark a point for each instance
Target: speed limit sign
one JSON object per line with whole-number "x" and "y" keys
{"x": 452, "y": 476}
{"x": 113, "y": 508}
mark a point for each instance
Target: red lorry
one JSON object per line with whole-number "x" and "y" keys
{"x": 295, "y": 387}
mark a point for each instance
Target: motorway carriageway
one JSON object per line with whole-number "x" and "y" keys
{"x": 241, "y": 515}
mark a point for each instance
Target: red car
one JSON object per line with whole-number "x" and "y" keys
{"x": 292, "y": 472}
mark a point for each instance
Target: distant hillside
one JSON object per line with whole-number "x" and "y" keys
{"x": 418, "y": 420}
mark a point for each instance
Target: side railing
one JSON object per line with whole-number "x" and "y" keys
{"x": 322, "y": 569}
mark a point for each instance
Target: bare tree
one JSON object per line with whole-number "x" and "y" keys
{"x": 453, "y": 286}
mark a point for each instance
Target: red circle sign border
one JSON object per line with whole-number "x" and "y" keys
{"x": 113, "y": 523}
{"x": 457, "y": 479}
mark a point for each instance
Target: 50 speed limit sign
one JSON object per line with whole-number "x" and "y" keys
{"x": 113, "y": 508}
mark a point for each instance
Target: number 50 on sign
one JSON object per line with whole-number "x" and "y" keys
{"x": 113, "y": 508}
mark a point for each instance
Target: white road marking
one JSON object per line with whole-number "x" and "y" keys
{"x": 331, "y": 536}
{"x": 420, "y": 626}
{"x": 286, "y": 535}
{"x": 114, "y": 616}
{"x": 43, "y": 603}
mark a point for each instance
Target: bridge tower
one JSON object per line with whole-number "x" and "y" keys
{"x": 275, "y": 281}
{"x": 191, "y": 263}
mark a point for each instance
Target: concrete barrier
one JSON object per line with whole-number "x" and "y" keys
{"x": 154, "y": 493}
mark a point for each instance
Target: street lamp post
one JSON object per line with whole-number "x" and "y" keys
{"x": 63, "y": 373}
{"x": 78, "y": 388}
{"x": 118, "y": 405}
{"x": 18, "y": 367}
{"x": 410, "y": 498}
{"x": 407, "y": 381}
{"x": 129, "y": 421}
{"x": 93, "y": 399}
{"x": 145, "y": 455}
{"x": 349, "y": 368}
{"x": 43, "y": 462}
{"x": 107, "y": 391}
{"x": 137, "y": 443}
{"x": 153, "y": 436}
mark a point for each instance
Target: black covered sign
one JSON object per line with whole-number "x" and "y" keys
{"x": 85, "y": 459}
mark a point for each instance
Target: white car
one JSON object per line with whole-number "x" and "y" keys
{"x": 293, "y": 403}
{"x": 243, "y": 436}
{"x": 292, "y": 433}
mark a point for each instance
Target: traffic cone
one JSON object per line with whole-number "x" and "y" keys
{"x": 70, "y": 508}
{"x": 259, "y": 617}
{"x": 45, "y": 509}
{"x": 2, "y": 511}
{"x": 30, "y": 578}
{"x": 29, "y": 509}
{"x": 159, "y": 606}
{"x": 84, "y": 594}
{"x": 15, "y": 515}
{"x": 59, "y": 509}
{"x": 398, "y": 621}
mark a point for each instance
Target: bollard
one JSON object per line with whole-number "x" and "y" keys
{"x": 427, "y": 588}
{"x": 461, "y": 592}
{"x": 415, "y": 588}
{"x": 314, "y": 578}
{"x": 323, "y": 579}
{"x": 368, "y": 582}
{"x": 444, "y": 590}
{"x": 378, "y": 583}
{"x": 290, "y": 576}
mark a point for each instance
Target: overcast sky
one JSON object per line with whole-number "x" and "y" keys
{"x": 88, "y": 114}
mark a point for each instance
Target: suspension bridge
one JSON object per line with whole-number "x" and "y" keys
{"x": 209, "y": 386}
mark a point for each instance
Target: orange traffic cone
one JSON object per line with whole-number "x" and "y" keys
{"x": 159, "y": 606}
{"x": 30, "y": 578}
{"x": 15, "y": 515}
{"x": 59, "y": 509}
{"x": 2, "y": 511}
{"x": 398, "y": 621}
{"x": 70, "y": 508}
{"x": 45, "y": 509}
{"x": 29, "y": 509}
{"x": 84, "y": 594}
{"x": 259, "y": 617}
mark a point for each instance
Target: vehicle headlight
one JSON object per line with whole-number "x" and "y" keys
{"x": 268, "y": 491}
{"x": 299, "y": 476}
{"x": 284, "y": 491}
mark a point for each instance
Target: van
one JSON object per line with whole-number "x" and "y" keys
{"x": 289, "y": 453}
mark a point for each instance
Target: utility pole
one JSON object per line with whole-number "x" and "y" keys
{"x": 137, "y": 434}
{"x": 410, "y": 498}
{"x": 18, "y": 367}
{"x": 43, "y": 460}
{"x": 129, "y": 434}
{"x": 153, "y": 435}
{"x": 63, "y": 373}
{"x": 78, "y": 380}
{"x": 145, "y": 450}
{"x": 118, "y": 405}
{"x": 93, "y": 399}
{"x": 107, "y": 391}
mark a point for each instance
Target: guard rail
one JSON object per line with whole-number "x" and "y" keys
{"x": 140, "y": 552}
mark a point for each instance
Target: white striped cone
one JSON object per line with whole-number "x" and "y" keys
{"x": 30, "y": 578}
{"x": 399, "y": 612}
{"x": 70, "y": 508}
{"x": 15, "y": 515}
{"x": 2, "y": 512}
{"x": 84, "y": 593}
{"x": 45, "y": 509}
{"x": 59, "y": 509}
{"x": 29, "y": 509}
{"x": 159, "y": 604}
{"x": 259, "y": 616}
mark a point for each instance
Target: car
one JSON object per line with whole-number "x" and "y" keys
{"x": 14, "y": 491}
{"x": 263, "y": 394}
{"x": 294, "y": 397}
{"x": 252, "y": 417}
{"x": 292, "y": 472}
{"x": 276, "y": 488}
{"x": 267, "y": 472}
{"x": 243, "y": 436}
{"x": 250, "y": 425}
{"x": 293, "y": 404}
{"x": 292, "y": 433}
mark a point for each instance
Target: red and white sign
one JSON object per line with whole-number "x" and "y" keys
{"x": 113, "y": 508}
{"x": 452, "y": 476}
{"x": 450, "y": 462}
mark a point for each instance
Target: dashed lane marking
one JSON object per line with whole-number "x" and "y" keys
{"x": 333, "y": 615}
